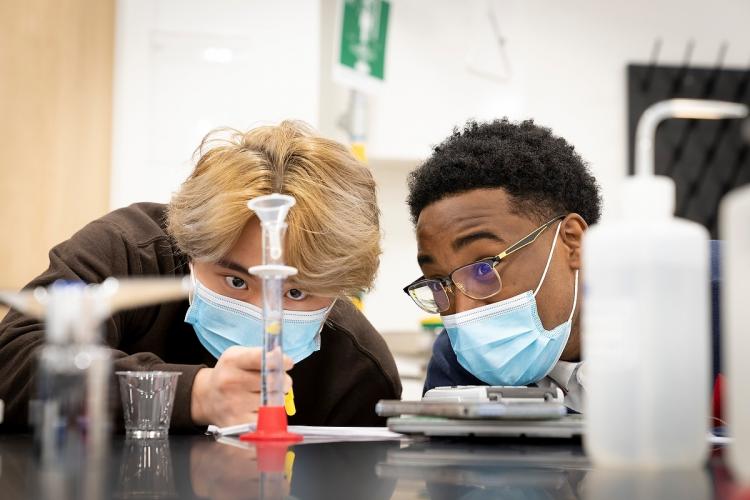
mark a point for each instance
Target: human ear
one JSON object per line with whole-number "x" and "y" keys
{"x": 571, "y": 234}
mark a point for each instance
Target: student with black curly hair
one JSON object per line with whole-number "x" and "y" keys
{"x": 500, "y": 210}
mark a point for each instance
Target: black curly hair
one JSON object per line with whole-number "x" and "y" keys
{"x": 541, "y": 172}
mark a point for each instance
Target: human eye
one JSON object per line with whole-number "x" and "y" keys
{"x": 482, "y": 270}
{"x": 433, "y": 284}
{"x": 296, "y": 294}
{"x": 235, "y": 283}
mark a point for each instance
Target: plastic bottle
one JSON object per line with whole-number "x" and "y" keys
{"x": 646, "y": 333}
{"x": 735, "y": 230}
{"x": 70, "y": 411}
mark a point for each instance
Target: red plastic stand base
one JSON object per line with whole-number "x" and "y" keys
{"x": 271, "y": 426}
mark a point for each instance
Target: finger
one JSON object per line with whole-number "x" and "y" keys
{"x": 246, "y": 358}
{"x": 237, "y": 418}
{"x": 276, "y": 398}
{"x": 277, "y": 382}
{"x": 250, "y": 358}
{"x": 232, "y": 380}
{"x": 239, "y": 408}
{"x": 275, "y": 361}
{"x": 244, "y": 382}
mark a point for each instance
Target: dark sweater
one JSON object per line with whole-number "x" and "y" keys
{"x": 338, "y": 385}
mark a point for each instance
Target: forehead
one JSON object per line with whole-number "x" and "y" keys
{"x": 463, "y": 211}
{"x": 248, "y": 245}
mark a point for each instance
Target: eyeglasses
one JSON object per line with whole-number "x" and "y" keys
{"x": 479, "y": 280}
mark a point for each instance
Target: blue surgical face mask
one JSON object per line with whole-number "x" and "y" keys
{"x": 505, "y": 343}
{"x": 221, "y": 322}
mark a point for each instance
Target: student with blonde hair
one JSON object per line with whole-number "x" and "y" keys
{"x": 338, "y": 364}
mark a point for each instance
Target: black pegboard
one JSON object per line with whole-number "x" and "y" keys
{"x": 706, "y": 158}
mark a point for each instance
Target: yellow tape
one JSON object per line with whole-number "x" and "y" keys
{"x": 289, "y": 403}
{"x": 274, "y": 328}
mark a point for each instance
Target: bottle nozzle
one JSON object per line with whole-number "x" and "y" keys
{"x": 131, "y": 293}
{"x": 31, "y": 302}
{"x": 695, "y": 109}
{"x": 73, "y": 310}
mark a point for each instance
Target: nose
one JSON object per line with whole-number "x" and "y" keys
{"x": 255, "y": 297}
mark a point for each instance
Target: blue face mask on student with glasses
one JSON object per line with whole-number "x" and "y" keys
{"x": 504, "y": 343}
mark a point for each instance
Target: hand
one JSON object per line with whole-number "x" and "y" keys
{"x": 229, "y": 393}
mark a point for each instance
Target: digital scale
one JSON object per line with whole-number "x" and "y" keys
{"x": 487, "y": 411}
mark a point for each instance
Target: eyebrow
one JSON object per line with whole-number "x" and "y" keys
{"x": 423, "y": 259}
{"x": 233, "y": 266}
{"x": 461, "y": 242}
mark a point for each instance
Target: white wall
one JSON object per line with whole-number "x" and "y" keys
{"x": 386, "y": 306}
{"x": 184, "y": 67}
{"x": 575, "y": 54}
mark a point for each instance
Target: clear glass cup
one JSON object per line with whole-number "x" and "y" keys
{"x": 147, "y": 401}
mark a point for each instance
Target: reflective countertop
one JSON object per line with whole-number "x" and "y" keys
{"x": 202, "y": 467}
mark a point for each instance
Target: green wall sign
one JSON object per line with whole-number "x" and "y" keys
{"x": 363, "y": 35}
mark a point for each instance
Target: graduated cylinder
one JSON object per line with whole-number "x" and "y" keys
{"x": 272, "y": 210}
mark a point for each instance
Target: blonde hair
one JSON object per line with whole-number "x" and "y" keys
{"x": 333, "y": 238}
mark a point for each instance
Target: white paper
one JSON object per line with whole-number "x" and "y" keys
{"x": 231, "y": 430}
{"x": 317, "y": 433}
{"x": 322, "y": 434}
